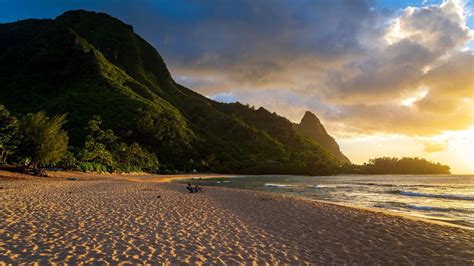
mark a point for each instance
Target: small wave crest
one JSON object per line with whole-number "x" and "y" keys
{"x": 399, "y": 185}
{"x": 376, "y": 184}
{"x": 329, "y": 186}
{"x": 429, "y": 208}
{"x": 421, "y": 208}
{"x": 428, "y": 195}
{"x": 319, "y": 186}
{"x": 277, "y": 185}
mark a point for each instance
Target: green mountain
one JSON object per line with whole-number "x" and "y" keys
{"x": 85, "y": 63}
{"x": 311, "y": 127}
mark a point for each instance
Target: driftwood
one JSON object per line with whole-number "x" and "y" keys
{"x": 40, "y": 172}
{"x": 32, "y": 171}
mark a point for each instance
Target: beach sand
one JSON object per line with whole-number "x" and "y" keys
{"x": 117, "y": 219}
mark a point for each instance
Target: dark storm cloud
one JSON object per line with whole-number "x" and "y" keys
{"x": 252, "y": 42}
{"x": 236, "y": 29}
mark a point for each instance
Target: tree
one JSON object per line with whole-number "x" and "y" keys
{"x": 134, "y": 156}
{"x": 388, "y": 165}
{"x": 42, "y": 139}
{"x": 8, "y": 130}
{"x": 105, "y": 148}
{"x": 95, "y": 147}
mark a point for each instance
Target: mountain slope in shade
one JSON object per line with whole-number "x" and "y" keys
{"x": 311, "y": 127}
{"x": 86, "y": 63}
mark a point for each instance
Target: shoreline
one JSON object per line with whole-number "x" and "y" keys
{"x": 157, "y": 178}
{"x": 396, "y": 214}
{"x": 347, "y": 205}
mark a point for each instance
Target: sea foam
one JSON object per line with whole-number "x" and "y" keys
{"x": 443, "y": 196}
{"x": 277, "y": 185}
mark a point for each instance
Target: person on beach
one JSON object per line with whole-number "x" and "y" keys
{"x": 190, "y": 188}
{"x": 198, "y": 188}
{"x": 194, "y": 189}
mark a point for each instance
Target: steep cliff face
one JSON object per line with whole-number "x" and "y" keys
{"x": 311, "y": 127}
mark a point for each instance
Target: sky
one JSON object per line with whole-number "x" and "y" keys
{"x": 386, "y": 78}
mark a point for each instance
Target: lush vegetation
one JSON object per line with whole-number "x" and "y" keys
{"x": 41, "y": 140}
{"x": 36, "y": 140}
{"x": 403, "y": 166}
{"x": 103, "y": 151}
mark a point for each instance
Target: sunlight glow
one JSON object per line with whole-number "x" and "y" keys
{"x": 394, "y": 33}
{"x": 454, "y": 148}
{"x": 418, "y": 96}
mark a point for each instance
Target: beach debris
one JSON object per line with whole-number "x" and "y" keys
{"x": 159, "y": 196}
{"x": 33, "y": 171}
{"x": 72, "y": 179}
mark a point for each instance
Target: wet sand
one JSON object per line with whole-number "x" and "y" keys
{"x": 116, "y": 219}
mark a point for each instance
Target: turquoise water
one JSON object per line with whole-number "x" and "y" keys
{"x": 448, "y": 198}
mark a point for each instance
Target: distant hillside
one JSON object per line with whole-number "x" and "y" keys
{"x": 396, "y": 166}
{"x": 85, "y": 63}
{"x": 311, "y": 127}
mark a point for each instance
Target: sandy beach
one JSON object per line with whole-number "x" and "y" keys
{"x": 117, "y": 219}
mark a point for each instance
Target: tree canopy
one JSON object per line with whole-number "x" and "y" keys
{"x": 8, "y": 129}
{"x": 391, "y": 165}
{"x": 104, "y": 151}
{"x": 42, "y": 139}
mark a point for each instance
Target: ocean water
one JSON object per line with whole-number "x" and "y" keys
{"x": 448, "y": 198}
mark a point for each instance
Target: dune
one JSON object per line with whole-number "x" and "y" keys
{"x": 120, "y": 220}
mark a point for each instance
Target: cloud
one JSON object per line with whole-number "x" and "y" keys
{"x": 361, "y": 71}
{"x": 266, "y": 45}
{"x": 396, "y": 119}
{"x": 414, "y": 42}
{"x": 451, "y": 85}
{"x": 439, "y": 28}
{"x": 224, "y": 97}
{"x": 368, "y": 92}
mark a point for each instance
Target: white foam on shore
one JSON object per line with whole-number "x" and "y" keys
{"x": 277, "y": 185}
{"x": 329, "y": 186}
{"x": 320, "y": 186}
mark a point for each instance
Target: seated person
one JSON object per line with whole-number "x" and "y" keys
{"x": 190, "y": 188}
{"x": 194, "y": 189}
{"x": 198, "y": 189}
